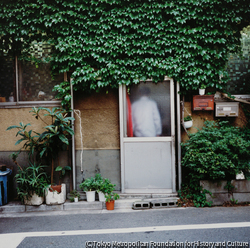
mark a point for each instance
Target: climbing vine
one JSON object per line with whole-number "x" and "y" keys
{"x": 112, "y": 42}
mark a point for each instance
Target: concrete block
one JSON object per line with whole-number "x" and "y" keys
{"x": 242, "y": 197}
{"x": 133, "y": 196}
{"x": 54, "y": 207}
{"x": 123, "y": 204}
{"x": 164, "y": 202}
{"x": 39, "y": 208}
{"x": 83, "y": 205}
{"x": 12, "y": 207}
{"x": 241, "y": 186}
{"x": 164, "y": 195}
{"x": 219, "y": 198}
{"x": 141, "y": 205}
{"x": 214, "y": 186}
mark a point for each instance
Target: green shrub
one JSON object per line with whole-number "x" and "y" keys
{"x": 217, "y": 151}
{"x": 31, "y": 179}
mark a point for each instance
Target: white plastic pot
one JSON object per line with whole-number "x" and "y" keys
{"x": 188, "y": 124}
{"x": 202, "y": 92}
{"x": 90, "y": 196}
{"x": 76, "y": 199}
{"x": 101, "y": 197}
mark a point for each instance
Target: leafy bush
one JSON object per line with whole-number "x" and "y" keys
{"x": 119, "y": 42}
{"x": 217, "y": 151}
{"x": 89, "y": 184}
{"x": 31, "y": 179}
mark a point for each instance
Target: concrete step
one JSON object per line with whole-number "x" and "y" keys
{"x": 126, "y": 202}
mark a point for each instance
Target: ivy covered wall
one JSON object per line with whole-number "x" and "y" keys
{"x": 112, "y": 42}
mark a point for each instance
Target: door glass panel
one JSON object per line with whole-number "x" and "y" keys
{"x": 148, "y": 110}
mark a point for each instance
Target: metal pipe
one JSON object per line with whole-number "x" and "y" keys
{"x": 73, "y": 137}
{"x": 17, "y": 86}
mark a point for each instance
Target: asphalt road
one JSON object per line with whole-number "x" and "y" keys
{"x": 178, "y": 227}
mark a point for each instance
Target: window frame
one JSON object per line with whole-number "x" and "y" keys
{"x": 28, "y": 104}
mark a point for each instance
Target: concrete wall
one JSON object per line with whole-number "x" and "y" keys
{"x": 99, "y": 147}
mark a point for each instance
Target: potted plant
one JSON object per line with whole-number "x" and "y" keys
{"x": 47, "y": 145}
{"x": 188, "y": 121}
{"x": 89, "y": 185}
{"x": 32, "y": 182}
{"x": 110, "y": 200}
{"x": 74, "y": 196}
{"x": 202, "y": 89}
{"x": 104, "y": 187}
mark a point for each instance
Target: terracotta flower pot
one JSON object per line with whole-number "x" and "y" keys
{"x": 55, "y": 188}
{"x": 110, "y": 205}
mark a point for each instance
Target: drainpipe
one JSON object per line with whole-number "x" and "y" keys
{"x": 73, "y": 137}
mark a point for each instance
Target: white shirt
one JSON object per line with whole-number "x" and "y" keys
{"x": 146, "y": 118}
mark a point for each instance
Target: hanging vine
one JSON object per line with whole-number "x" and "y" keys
{"x": 113, "y": 42}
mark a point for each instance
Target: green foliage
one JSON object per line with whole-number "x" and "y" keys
{"x": 217, "y": 151}
{"x": 89, "y": 184}
{"x": 192, "y": 194}
{"x": 73, "y": 194}
{"x": 188, "y": 118}
{"x": 108, "y": 43}
{"x": 63, "y": 170}
{"x": 112, "y": 197}
{"x": 30, "y": 180}
{"x": 104, "y": 185}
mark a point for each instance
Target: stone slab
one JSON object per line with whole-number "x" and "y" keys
{"x": 242, "y": 197}
{"x": 29, "y": 208}
{"x": 218, "y": 198}
{"x": 214, "y": 186}
{"x": 83, "y": 205}
{"x": 241, "y": 186}
{"x": 54, "y": 207}
{"x": 12, "y": 207}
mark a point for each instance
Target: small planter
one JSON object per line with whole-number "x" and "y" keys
{"x": 188, "y": 124}
{"x": 54, "y": 198}
{"x": 55, "y": 188}
{"x": 90, "y": 196}
{"x": 101, "y": 196}
{"x": 110, "y": 205}
{"x": 35, "y": 200}
{"x": 202, "y": 92}
{"x": 76, "y": 199}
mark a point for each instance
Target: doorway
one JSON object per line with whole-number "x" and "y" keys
{"x": 147, "y": 137}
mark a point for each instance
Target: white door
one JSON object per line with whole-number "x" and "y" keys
{"x": 147, "y": 137}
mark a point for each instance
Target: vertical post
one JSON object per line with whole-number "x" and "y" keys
{"x": 179, "y": 132}
{"x": 73, "y": 137}
{"x": 17, "y": 86}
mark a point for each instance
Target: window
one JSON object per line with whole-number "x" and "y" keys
{"x": 25, "y": 82}
{"x": 148, "y": 110}
{"x": 239, "y": 67}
